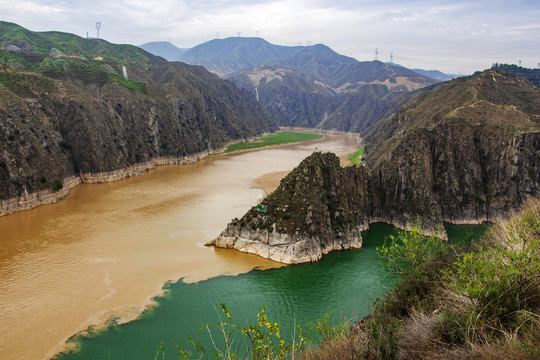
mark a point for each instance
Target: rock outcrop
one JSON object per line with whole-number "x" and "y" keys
{"x": 467, "y": 159}
{"x": 318, "y": 207}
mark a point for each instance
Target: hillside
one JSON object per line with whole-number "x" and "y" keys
{"x": 465, "y": 152}
{"x": 533, "y": 75}
{"x": 317, "y": 87}
{"x": 164, "y": 49}
{"x": 75, "y": 109}
{"x": 229, "y": 55}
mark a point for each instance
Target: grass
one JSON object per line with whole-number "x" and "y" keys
{"x": 356, "y": 158}
{"x": 130, "y": 84}
{"x": 284, "y": 137}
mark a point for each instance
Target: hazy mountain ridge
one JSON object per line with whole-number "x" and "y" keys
{"x": 311, "y": 86}
{"x": 466, "y": 151}
{"x": 164, "y": 49}
{"x": 95, "y": 110}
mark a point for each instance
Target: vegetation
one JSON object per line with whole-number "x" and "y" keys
{"x": 284, "y": 137}
{"x": 476, "y": 300}
{"x": 262, "y": 340}
{"x": 57, "y": 185}
{"x": 356, "y": 158}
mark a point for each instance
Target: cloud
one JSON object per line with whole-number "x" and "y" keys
{"x": 459, "y": 35}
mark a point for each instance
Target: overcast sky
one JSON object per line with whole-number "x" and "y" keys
{"x": 454, "y": 36}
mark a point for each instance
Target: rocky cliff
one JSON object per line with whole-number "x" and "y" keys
{"x": 107, "y": 112}
{"x": 466, "y": 152}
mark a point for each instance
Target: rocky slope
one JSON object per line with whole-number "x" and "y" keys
{"x": 94, "y": 111}
{"x": 317, "y": 87}
{"x": 466, "y": 152}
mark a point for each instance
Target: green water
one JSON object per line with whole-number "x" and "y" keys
{"x": 345, "y": 281}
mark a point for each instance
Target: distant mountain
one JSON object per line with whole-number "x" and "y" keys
{"x": 317, "y": 87}
{"x": 436, "y": 74}
{"x": 164, "y": 49}
{"x": 229, "y": 55}
{"x": 75, "y": 109}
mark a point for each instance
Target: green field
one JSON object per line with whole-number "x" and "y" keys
{"x": 284, "y": 137}
{"x": 356, "y": 158}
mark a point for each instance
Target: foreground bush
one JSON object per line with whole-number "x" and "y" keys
{"x": 479, "y": 301}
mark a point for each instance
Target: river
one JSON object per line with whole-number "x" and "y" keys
{"x": 108, "y": 249}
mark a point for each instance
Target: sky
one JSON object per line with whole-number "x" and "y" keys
{"x": 454, "y": 36}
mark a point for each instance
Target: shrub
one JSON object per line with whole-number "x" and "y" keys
{"x": 501, "y": 280}
{"x": 409, "y": 250}
{"x": 57, "y": 185}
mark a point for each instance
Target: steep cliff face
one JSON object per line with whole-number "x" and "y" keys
{"x": 465, "y": 159}
{"x": 90, "y": 117}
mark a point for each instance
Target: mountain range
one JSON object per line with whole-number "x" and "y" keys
{"x": 310, "y": 86}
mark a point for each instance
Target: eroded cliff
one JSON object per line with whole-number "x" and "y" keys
{"x": 94, "y": 111}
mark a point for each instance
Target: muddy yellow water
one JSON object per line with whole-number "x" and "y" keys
{"x": 107, "y": 249}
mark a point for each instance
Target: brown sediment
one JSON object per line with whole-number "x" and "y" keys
{"x": 269, "y": 182}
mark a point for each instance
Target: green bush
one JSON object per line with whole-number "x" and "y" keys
{"x": 409, "y": 250}
{"x": 57, "y": 185}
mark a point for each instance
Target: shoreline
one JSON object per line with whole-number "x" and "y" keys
{"x": 125, "y": 314}
{"x": 28, "y": 201}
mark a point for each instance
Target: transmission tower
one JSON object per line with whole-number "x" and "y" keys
{"x": 239, "y": 33}
{"x": 392, "y": 57}
{"x": 217, "y": 35}
{"x": 377, "y": 54}
{"x": 257, "y": 32}
{"x": 309, "y": 43}
{"x": 98, "y": 26}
